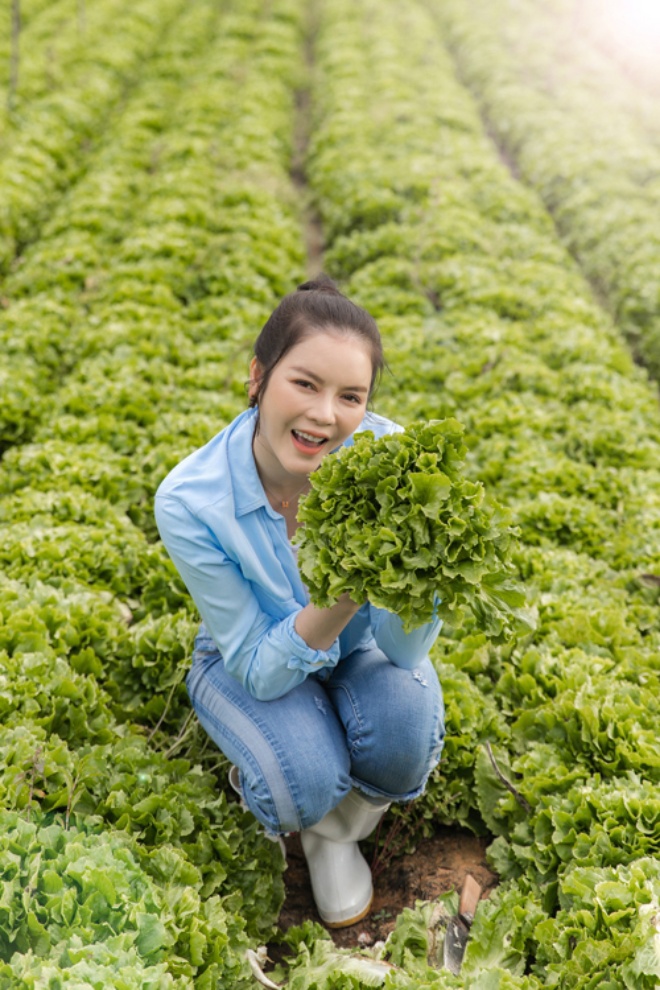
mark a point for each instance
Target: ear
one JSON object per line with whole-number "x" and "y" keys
{"x": 256, "y": 373}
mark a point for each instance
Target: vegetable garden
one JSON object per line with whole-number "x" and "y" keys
{"x": 495, "y": 207}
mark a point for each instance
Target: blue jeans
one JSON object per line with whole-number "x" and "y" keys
{"x": 370, "y": 725}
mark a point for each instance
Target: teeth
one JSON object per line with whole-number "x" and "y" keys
{"x": 308, "y": 436}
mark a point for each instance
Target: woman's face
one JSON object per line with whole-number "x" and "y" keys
{"x": 315, "y": 397}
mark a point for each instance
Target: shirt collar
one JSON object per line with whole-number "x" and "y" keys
{"x": 246, "y": 484}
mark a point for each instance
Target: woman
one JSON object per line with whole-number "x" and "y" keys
{"x": 328, "y": 714}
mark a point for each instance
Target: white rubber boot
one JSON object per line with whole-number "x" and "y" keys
{"x": 340, "y": 875}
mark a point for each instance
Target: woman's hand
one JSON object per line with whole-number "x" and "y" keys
{"x": 319, "y": 627}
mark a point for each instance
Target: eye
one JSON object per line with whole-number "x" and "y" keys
{"x": 353, "y": 398}
{"x": 304, "y": 383}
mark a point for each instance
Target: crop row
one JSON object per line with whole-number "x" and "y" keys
{"x": 583, "y": 138}
{"x": 49, "y": 148}
{"x": 30, "y": 14}
{"x": 138, "y": 863}
{"x": 51, "y": 44}
{"x": 50, "y": 322}
{"x": 488, "y": 319}
{"x": 120, "y": 231}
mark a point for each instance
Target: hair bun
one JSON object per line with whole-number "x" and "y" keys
{"x": 322, "y": 283}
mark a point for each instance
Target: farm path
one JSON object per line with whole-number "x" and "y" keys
{"x": 312, "y": 228}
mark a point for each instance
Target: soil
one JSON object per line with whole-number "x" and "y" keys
{"x": 439, "y": 864}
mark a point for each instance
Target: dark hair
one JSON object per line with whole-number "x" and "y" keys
{"x": 314, "y": 307}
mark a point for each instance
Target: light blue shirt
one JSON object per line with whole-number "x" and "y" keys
{"x": 232, "y": 551}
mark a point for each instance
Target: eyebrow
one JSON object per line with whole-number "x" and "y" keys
{"x": 347, "y": 388}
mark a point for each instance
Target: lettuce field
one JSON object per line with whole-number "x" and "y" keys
{"x": 484, "y": 177}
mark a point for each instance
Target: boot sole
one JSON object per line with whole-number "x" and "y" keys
{"x": 350, "y": 921}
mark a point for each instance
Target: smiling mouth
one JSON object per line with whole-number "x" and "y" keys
{"x": 308, "y": 440}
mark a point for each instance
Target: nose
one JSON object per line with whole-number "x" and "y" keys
{"x": 323, "y": 409}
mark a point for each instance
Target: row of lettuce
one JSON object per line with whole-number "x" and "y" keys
{"x": 47, "y": 38}
{"x": 44, "y": 324}
{"x": 94, "y": 257}
{"x": 47, "y": 141}
{"x": 585, "y": 137}
{"x": 123, "y": 864}
{"x": 30, "y": 13}
{"x": 487, "y": 319}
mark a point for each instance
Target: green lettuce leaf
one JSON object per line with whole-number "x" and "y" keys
{"x": 397, "y": 522}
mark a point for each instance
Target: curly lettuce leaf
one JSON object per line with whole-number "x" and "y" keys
{"x": 395, "y": 521}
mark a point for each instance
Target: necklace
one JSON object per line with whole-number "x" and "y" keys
{"x": 285, "y": 502}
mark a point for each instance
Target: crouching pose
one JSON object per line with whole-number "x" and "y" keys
{"x": 328, "y": 715}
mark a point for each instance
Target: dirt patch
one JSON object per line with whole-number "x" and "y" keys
{"x": 439, "y": 865}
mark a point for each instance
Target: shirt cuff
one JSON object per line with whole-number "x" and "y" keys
{"x": 303, "y": 657}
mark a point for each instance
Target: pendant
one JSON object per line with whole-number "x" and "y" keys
{"x": 285, "y": 505}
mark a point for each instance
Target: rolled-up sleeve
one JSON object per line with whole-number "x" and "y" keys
{"x": 264, "y": 653}
{"x": 404, "y": 649}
